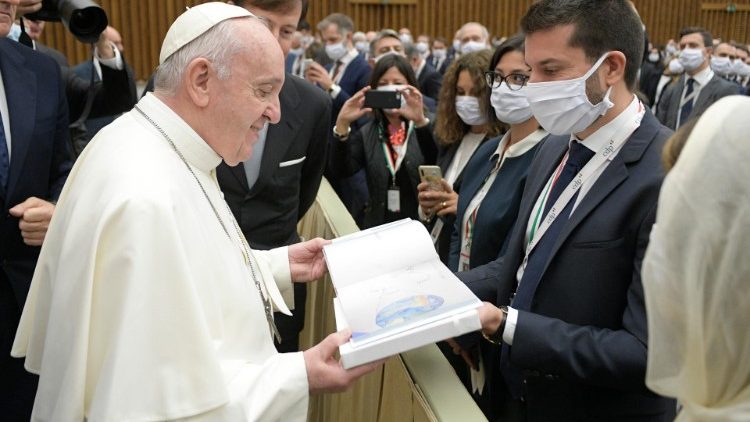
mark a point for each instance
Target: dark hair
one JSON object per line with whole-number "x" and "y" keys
{"x": 388, "y": 61}
{"x": 674, "y": 145}
{"x": 514, "y": 43}
{"x": 708, "y": 41}
{"x": 384, "y": 64}
{"x": 742, "y": 47}
{"x": 599, "y": 26}
{"x": 449, "y": 127}
{"x": 344, "y": 24}
{"x": 279, "y": 6}
{"x": 439, "y": 39}
{"x": 411, "y": 51}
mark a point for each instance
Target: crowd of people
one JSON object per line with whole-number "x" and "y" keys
{"x": 173, "y": 255}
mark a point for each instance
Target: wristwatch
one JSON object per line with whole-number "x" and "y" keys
{"x": 497, "y": 336}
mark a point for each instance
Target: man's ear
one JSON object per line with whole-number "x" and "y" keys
{"x": 616, "y": 67}
{"x": 198, "y": 74}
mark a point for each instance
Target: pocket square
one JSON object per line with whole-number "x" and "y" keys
{"x": 292, "y": 162}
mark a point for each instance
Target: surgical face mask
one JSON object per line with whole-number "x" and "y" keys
{"x": 405, "y": 38}
{"x": 307, "y": 40}
{"x": 469, "y": 111}
{"x": 743, "y": 70}
{"x": 297, "y": 51}
{"x": 510, "y": 106}
{"x": 562, "y": 107}
{"x": 393, "y": 88}
{"x": 738, "y": 66}
{"x": 472, "y": 46}
{"x": 456, "y": 45}
{"x": 439, "y": 53}
{"x": 691, "y": 58}
{"x": 653, "y": 57}
{"x": 675, "y": 67}
{"x": 422, "y": 47}
{"x": 721, "y": 65}
{"x": 336, "y": 51}
{"x": 362, "y": 46}
{"x": 671, "y": 49}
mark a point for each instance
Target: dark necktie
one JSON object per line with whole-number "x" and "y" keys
{"x": 578, "y": 156}
{"x": 336, "y": 70}
{"x": 4, "y": 157}
{"x": 687, "y": 108}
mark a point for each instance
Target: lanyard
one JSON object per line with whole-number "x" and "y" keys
{"x": 591, "y": 168}
{"x": 393, "y": 167}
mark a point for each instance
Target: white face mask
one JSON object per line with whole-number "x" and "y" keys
{"x": 406, "y": 38}
{"x": 675, "y": 67}
{"x": 439, "y": 53}
{"x": 472, "y": 46}
{"x": 336, "y": 51}
{"x": 671, "y": 49}
{"x": 297, "y": 51}
{"x": 362, "y": 46}
{"x": 456, "y": 45}
{"x": 653, "y": 57}
{"x": 743, "y": 70}
{"x": 510, "y": 106}
{"x": 738, "y": 66}
{"x": 469, "y": 111}
{"x": 721, "y": 65}
{"x": 422, "y": 47}
{"x": 307, "y": 40}
{"x": 562, "y": 107}
{"x": 691, "y": 58}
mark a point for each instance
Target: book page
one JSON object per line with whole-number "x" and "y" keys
{"x": 376, "y": 251}
{"x": 399, "y": 301}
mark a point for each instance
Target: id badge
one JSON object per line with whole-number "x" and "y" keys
{"x": 394, "y": 200}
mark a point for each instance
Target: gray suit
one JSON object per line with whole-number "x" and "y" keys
{"x": 669, "y": 103}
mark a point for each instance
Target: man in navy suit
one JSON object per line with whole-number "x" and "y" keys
{"x": 346, "y": 75}
{"x": 439, "y": 57}
{"x": 272, "y": 191}
{"x": 567, "y": 308}
{"x": 34, "y": 162}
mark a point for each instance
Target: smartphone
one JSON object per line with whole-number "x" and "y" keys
{"x": 382, "y": 99}
{"x": 431, "y": 175}
{"x": 305, "y": 64}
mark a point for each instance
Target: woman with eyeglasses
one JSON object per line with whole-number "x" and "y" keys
{"x": 491, "y": 191}
{"x": 463, "y": 122}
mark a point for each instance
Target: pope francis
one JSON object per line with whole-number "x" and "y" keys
{"x": 147, "y": 303}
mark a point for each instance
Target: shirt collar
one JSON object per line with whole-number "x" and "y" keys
{"x": 349, "y": 56}
{"x": 703, "y": 77}
{"x": 599, "y": 139}
{"x": 520, "y": 147}
{"x": 195, "y": 150}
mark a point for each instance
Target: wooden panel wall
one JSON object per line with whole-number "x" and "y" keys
{"x": 143, "y": 23}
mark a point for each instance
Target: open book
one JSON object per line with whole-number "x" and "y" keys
{"x": 394, "y": 293}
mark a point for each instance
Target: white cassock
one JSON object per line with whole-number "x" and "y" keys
{"x": 141, "y": 307}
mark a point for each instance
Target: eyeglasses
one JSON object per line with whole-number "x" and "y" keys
{"x": 514, "y": 81}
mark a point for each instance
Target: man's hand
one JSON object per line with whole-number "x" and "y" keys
{"x": 491, "y": 318}
{"x": 35, "y": 215}
{"x": 104, "y": 47}
{"x": 324, "y": 373}
{"x": 28, "y": 6}
{"x": 465, "y": 355}
{"x": 306, "y": 261}
{"x": 318, "y": 74}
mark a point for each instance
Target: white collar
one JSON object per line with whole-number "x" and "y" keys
{"x": 703, "y": 77}
{"x": 348, "y": 57}
{"x": 520, "y": 147}
{"x": 420, "y": 68}
{"x": 195, "y": 150}
{"x": 599, "y": 139}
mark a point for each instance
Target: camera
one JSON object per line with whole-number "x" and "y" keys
{"x": 83, "y": 18}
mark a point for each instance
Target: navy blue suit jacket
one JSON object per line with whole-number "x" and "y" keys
{"x": 582, "y": 347}
{"x": 499, "y": 208}
{"x": 356, "y": 76}
{"x": 40, "y": 157}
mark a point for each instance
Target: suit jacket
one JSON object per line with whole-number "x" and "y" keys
{"x": 499, "y": 208}
{"x": 356, "y": 76}
{"x": 363, "y": 150}
{"x": 40, "y": 157}
{"x": 39, "y": 164}
{"x": 430, "y": 81}
{"x": 669, "y": 103}
{"x": 294, "y": 157}
{"x": 59, "y": 57}
{"x": 582, "y": 347}
{"x": 433, "y": 61}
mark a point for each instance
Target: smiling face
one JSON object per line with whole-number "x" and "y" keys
{"x": 282, "y": 24}
{"x": 7, "y": 15}
{"x": 248, "y": 99}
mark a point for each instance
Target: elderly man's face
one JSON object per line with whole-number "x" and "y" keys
{"x": 7, "y": 15}
{"x": 249, "y": 98}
